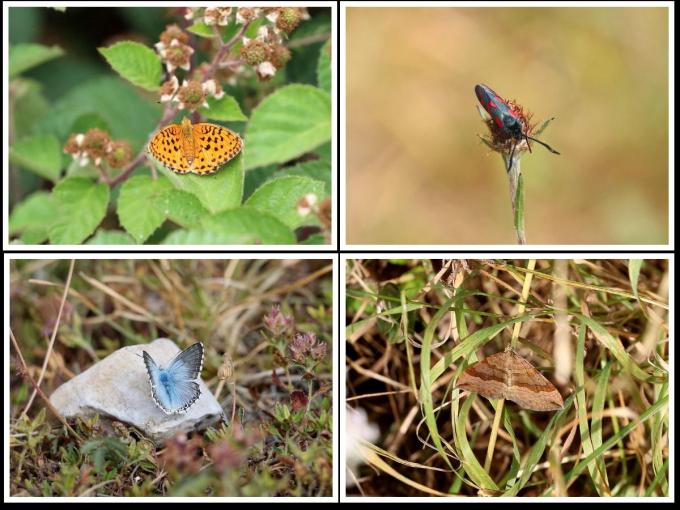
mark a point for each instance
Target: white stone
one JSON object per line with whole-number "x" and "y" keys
{"x": 118, "y": 386}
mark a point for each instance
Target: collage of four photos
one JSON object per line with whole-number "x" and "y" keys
{"x": 338, "y": 251}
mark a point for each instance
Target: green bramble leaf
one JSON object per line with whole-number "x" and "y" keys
{"x": 32, "y": 217}
{"x": 29, "y": 106}
{"x": 138, "y": 212}
{"x": 324, "y": 68}
{"x": 134, "y": 62}
{"x": 208, "y": 237}
{"x": 225, "y": 109}
{"x": 110, "y": 237}
{"x": 218, "y": 191}
{"x": 181, "y": 207}
{"x": 39, "y": 154}
{"x": 23, "y": 57}
{"x": 242, "y": 225}
{"x": 201, "y": 29}
{"x": 87, "y": 121}
{"x": 80, "y": 207}
{"x": 319, "y": 170}
{"x": 129, "y": 115}
{"x": 286, "y": 124}
{"x": 280, "y": 198}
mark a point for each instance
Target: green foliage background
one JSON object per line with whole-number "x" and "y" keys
{"x": 99, "y": 70}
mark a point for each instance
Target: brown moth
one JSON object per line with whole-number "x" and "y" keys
{"x": 508, "y": 375}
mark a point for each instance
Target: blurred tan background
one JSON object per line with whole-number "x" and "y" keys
{"x": 418, "y": 174}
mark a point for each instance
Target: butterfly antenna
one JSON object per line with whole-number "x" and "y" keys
{"x": 528, "y": 144}
{"x": 544, "y": 145}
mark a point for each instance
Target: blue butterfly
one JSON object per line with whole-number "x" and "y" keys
{"x": 173, "y": 388}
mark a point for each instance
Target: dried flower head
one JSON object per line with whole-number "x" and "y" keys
{"x": 278, "y": 323}
{"x": 217, "y": 15}
{"x": 306, "y": 345}
{"x": 119, "y": 154}
{"x": 173, "y": 32}
{"x": 191, "y": 95}
{"x": 254, "y": 52}
{"x": 288, "y": 19}
{"x": 169, "y": 90}
{"x": 279, "y": 55}
{"x": 247, "y": 14}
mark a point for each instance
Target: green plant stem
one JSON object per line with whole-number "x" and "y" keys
{"x": 494, "y": 434}
{"x": 310, "y": 394}
{"x": 516, "y": 184}
{"x": 526, "y": 286}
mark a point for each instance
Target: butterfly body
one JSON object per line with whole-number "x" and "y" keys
{"x": 194, "y": 148}
{"x": 173, "y": 388}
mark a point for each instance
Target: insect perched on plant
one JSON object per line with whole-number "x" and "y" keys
{"x": 197, "y": 148}
{"x": 509, "y": 123}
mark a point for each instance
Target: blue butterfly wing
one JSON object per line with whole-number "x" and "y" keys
{"x": 188, "y": 364}
{"x": 173, "y": 388}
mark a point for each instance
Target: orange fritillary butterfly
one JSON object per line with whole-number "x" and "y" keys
{"x": 197, "y": 148}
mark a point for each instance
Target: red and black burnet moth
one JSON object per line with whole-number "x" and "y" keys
{"x": 508, "y": 120}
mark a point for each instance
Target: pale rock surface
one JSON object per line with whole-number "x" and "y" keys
{"x": 118, "y": 386}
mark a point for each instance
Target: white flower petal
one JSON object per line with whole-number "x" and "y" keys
{"x": 266, "y": 69}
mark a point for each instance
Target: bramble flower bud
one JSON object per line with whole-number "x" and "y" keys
{"x": 217, "y": 15}
{"x": 173, "y": 32}
{"x": 288, "y": 19}
{"x": 177, "y": 55}
{"x": 73, "y": 144}
{"x": 254, "y": 52}
{"x": 191, "y": 95}
{"x": 279, "y": 55}
{"x": 247, "y": 14}
{"x": 95, "y": 144}
{"x": 169, "y": 89}
{"x": 119, "y": 154}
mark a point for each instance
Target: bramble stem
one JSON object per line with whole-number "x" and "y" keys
{"x": 224, "y": 49}
{"x": 168, "y": 114}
